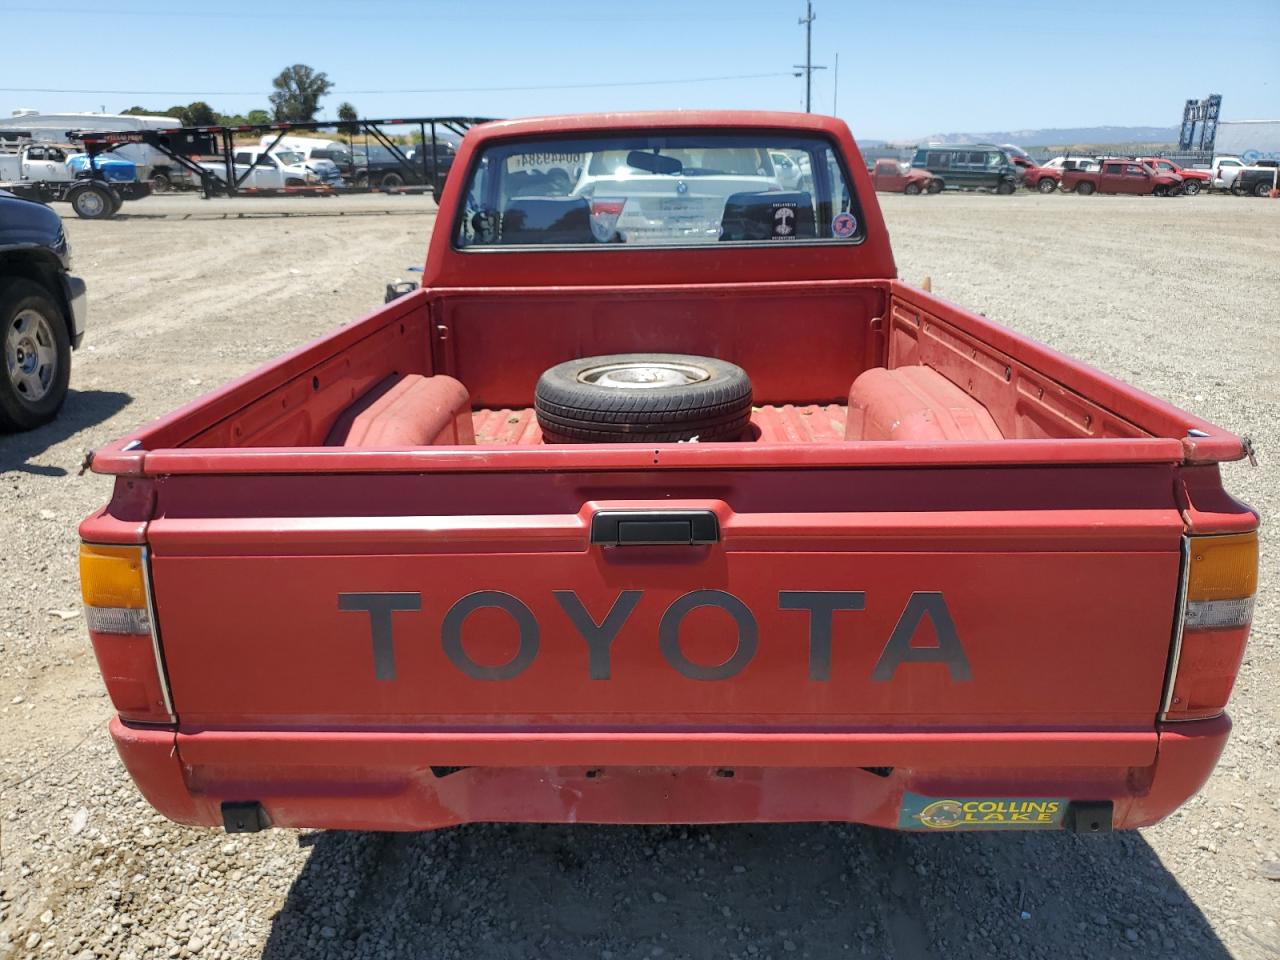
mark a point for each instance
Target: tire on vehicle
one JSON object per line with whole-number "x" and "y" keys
{"x": 36, "y": 346}
{"x": 1047, "y": 185}
{"x": 1084, "y": 188}
{"x": 390, "y": 181}
{"x": 1262, "y": 189}
{"x": 1237, "y": 188}
{"x": 911, "y": 189}
{"x": 643, "y": 398}
{"x": 1191, "y": 187}
{"x": 935, "y": 186}
{"x": 92, "y": 201}
{"x": 361, "y": 179}
{"x": 161, "y": 182}
{"x": 117, "y": 201}
{"x": 1004, "y": 188}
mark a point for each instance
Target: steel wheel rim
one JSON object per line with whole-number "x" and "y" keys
{"x": 644, "y": 375}
{"x": 90, "y": 202}
{"x": 31, "y": 355}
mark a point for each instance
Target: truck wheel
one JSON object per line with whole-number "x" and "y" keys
{"x": 1161, "y": 191}
{"x": 160, "y": 182}
{"x": 37, "y": 355}
{"x": 643, "y": 398}
{"x": 935, "y": 186}
{"x": 1004, "y": 188}
{"x": 1047, "y": 185}
{"x": 92, "y": 202}
{"x": 911, "y": 189}
{"x": 362, "y": 179}
{"x": 1237, "y": 188}
{"x": 1084, "y": 188}
{"x": 1262, "y": 189}
{"x": 1191, "y": 187}
{"x": 390, "y": 181}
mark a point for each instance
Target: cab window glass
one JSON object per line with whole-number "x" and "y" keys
{"x": 688, "y": 189}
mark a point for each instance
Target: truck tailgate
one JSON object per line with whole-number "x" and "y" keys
{"x": 903, "y": 601}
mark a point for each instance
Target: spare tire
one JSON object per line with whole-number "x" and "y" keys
{"x": 643, "y": 398}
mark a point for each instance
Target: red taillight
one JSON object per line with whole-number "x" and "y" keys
{"x": 116, "y": 586}
{"x": 1221, "y": 580}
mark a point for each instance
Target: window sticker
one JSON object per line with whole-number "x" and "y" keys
{"x": 844, "y": 225}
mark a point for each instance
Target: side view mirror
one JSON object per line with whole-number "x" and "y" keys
{"x": 399, "y": 288}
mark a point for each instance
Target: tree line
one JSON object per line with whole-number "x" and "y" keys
{"x": 295, "y": 99}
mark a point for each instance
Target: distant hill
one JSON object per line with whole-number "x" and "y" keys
{"x": 1061, "y": 135}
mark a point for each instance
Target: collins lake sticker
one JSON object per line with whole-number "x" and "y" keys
{"x": 980, "y": 813}
{"x": 844, "y": 225}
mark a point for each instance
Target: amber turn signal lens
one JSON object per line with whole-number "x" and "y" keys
{"x": 114, "y": 587}
{"x": 112, "y": 576}
{"x": 1223, "y": 568}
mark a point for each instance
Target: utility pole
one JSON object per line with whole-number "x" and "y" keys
{"x": 835, "y": 87}
{"x": 807, "y": 22}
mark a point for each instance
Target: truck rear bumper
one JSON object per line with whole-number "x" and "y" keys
{"x": 419, "y": 781}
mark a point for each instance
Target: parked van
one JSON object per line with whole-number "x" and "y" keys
{"x": 969, "y": 166}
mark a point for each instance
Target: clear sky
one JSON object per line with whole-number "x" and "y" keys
{"x": 907, "y": 68}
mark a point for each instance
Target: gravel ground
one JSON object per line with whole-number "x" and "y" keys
{"x": 1177, "y": 296}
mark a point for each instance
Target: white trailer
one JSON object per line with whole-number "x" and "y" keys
{"x": 1250, "y": 140}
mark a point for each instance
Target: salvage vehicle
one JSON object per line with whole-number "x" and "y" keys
{"x": 627, "y": 516}
{"x": 981, "y": 165}
{"x": 44, "y": 173}
{"x": 1256, "y": 180}
{"x": 1224, "y": 172}
{"x": 1122, "y": 176}
{"x": 1041, "y": 179}
{"x": 278, "y": 169}
{"x": 1193, "y": 180}
{"x": 890, "y": 176}
{"x": 42, "y": 313}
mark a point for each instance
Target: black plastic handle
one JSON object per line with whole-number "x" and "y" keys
{"x": 650, "y": 528}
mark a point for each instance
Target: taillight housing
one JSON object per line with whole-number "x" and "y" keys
{"x": 115, "y": 582}
{"x": 1220, "y": 579}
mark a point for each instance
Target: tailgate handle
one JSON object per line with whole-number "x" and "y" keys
{"x": 649, "y": 528}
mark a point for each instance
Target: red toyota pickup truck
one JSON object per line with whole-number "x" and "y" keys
{"x": 664, "y": 500}
{"x": 1122, "y": 176}
{"x": 1193, "y": 180}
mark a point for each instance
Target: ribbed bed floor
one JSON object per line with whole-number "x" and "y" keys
{"x": 814, "y": 423}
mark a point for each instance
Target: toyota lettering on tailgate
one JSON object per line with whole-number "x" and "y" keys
{"x": 821, "y": 606}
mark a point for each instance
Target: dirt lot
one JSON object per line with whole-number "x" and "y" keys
{"x": 1178, "y": 296}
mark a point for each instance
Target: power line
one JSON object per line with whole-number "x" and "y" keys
{"x": 370, "y": 18}
{"x": 342, "y": 91}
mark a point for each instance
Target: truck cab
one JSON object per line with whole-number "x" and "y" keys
{"x": 35, "y": 162}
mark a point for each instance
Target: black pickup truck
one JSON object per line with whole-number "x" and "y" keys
{"x": 42, "y": 313}
{"x": 378, "y": 167}
{"x": 1257, "y": 180}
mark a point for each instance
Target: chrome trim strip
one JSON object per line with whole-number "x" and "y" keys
{"x": 155, "y": 635}
{"x": 1179, "y": 618}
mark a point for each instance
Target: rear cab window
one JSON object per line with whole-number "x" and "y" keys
{"x": 623, "y": 191}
